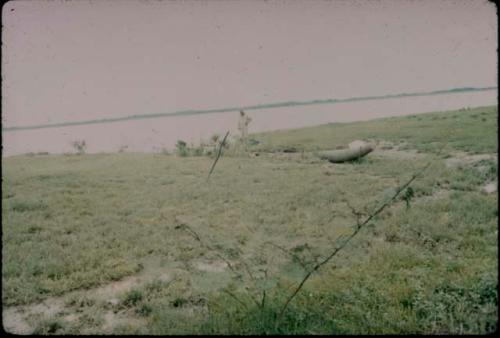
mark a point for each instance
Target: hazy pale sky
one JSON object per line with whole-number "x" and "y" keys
{"x": 79, "y": 60}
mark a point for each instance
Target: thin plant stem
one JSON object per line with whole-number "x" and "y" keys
{"x": 218, "y": 155}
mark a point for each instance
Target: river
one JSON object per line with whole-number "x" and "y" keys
{"x": 156, "y": 134}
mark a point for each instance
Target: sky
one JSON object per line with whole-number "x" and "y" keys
{"x": 66, "y": 61}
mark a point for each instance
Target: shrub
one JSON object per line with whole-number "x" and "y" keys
{"x": 132, "y": 298}
{"x": 181, "y": 148}
{"x": 80, "y": 146}
{"x": 144, "y": 310}
{"x": 49, "y": 326}
{"x": 215, "y": 138}
{"x": 198, "y": 151}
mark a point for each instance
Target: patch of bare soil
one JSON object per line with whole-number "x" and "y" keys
{"x": 440, "y": 194}
{"x": 490, "y": 187}
{"x": 216, "y": 266}
{"x": 461, "y": 159}
{"x": 397, "y": 153}
{"x": 14, "y": 321}
{"x": 24, "y": 319}
{"x": 113, "y": 320}
{"x": 20, "y": 319}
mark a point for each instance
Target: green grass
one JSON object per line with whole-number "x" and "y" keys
{"x": 473, "y": 131}
{"x": 72, "y": 223}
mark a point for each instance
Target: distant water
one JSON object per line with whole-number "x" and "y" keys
{"x": 153, "y": 135}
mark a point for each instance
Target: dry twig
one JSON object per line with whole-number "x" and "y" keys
{"x": 218, "y": 155}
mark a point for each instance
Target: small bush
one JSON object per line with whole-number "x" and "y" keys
{"x": 49, "y": 326}
{"x": 185, "y": 150}
{"x": 132, "y": 298}
{"x": 80, "y": 146}
{"x": 144, "y": 310}
{"x": 198, "y": 151}
{"x": 215, "y": 138}
{"x": 181, "y": 148}
{"x": 180, "y": 144}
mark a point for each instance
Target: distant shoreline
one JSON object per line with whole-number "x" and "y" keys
{"x": 252, "y": 107}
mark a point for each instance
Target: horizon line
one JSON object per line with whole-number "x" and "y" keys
{"x": 251, "y": 107}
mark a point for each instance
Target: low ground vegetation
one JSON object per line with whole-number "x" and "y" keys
{"x": 98, "y": 243}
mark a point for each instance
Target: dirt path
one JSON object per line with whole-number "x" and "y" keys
{"x": 102, "y": 301}
{"x": 23, "y": 319}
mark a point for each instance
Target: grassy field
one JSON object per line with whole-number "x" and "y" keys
{"x": 101, "y": 243}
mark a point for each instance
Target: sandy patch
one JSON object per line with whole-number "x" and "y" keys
{"x": 211, "y": 266}
{"x": 14, "y": 322}
{"x": 110, "y": 291}
{"x": 439, "y": 194}
{"x": 21, "y": 319}
{"x": 71, "y": 317}
{"x": 113, "y": 320}
{"x": 490, "y": 187}
{"x": 461, "y": 159}
{"x": 398, "y": 154}
{"x": 16, "y": 319}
